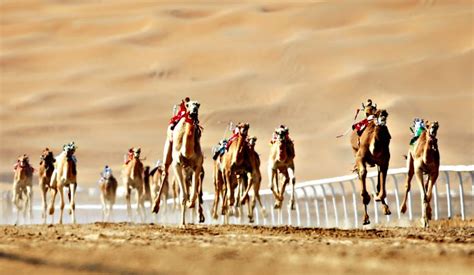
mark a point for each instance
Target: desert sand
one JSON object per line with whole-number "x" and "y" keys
{"x": 445, "y": 248}
{"x": 107, "y": 73}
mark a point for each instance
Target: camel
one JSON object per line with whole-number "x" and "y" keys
{"x": 108, "y": 192}
{"x": 65, "y": 175}
{"x": 183, "y": 151}
{"x": 45, "y": 171}
{"x": 133, "y": 178}
{"x": 423, "y": 158}
{"x": 372, "y": 148}
{"x": 22, "y": 195}
{"x": 234, "y": 164}
{"x": 253, "y": 161}
{"x": 281, "y": 163}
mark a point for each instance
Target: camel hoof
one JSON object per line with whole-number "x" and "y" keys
{"x": 51, "y": 211}
{"x": 429, "y": 213}
{"x": 182, "y": 226}
{"x": 291, "y": 205}
{"x": 403, "y": 209}
{"x": 366, "y": 222}
{"x": 424, "y": 222}
{"x": 386, "y": 210}
{"x": 251, "y": 219}
{"x": 378, "y": 198}
{"x": 202, "y": 219}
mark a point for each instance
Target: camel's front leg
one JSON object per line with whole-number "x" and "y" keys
{"x": 44, "y": 205}
{"x": 217, "y": 192}
{"x": 62, "y": 203}
{"x": 431, "y": 183}
{"x": 129, "y": 204}
{"x": 362, "y": 172}
{"x": 195, "y": 187}
{"x": 29, "y": 203}
{"x": 424, "y": 200}
{"x": 178, "y": 170}
{"x": 284, "y": 173}
{"x": 410, "y": 173}
{"x": 72, "y": 206}
{"x": 382, "y": 178}
{"x": 51, "y": 205}
{"x": 272, "y": 176}
{"x": 104, "y": 207}
{"x": 291, "y": 174}
{"x": 141, "y": 203}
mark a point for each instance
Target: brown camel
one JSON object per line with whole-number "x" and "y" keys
{"x": 132, "y": 177}
{"x": 45, "y": 171}
{"x": 234, "y": 165}
{"x": 23, "y": 188}
{"x": 372, "y": 148}
{"x": 253, "y": 161}
{"x": 218, "y": 179}
{"x": 423, "y": 158}
{"x": 281, "y": 163}
{"x": 183, "y": 151}
{"x": 108, "y": 192}
{"x": 65, "y": 175}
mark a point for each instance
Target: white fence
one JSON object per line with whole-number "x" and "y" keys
{"x": 333, "y": 202}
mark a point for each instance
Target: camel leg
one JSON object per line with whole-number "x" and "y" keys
{"x": 382, "y": 179}
{"x": 411, "y": 172}
{"x": 362, "y": 172}
{"x": 178, "y": 170}
{"x": 230, "y": 191}
{"x": 195, "y": 187}
{"x": 291, "y": 173}
{"x": 283, "y": 187}
{"x": 129, "y": 205}
{"x": 140, "y": 203}
{"x": 272, "y": 175}
{"x": 29, "y": 203}
{"x": 224, "y": 198}
{"x": 424, "y": 201}
{"x": 51, "y": 205}
{"x": 256, "y": 190}
{"x": 217, "y": 192}
{"x": 202, "y": 219}
{"x": 44, "y": 191}
{"x": 72, "y": 189}
{"x": 62, "y": 203}
{"x": 15, "y": 201}
{"x": 431, "y": 183}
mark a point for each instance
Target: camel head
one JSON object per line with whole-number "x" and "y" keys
{"x": 433, "y": 128}
{"x": 243, "y": 128}
{"x": 70, "y": 148}
{"x": 369, "y": 108}
{"x": 47, "y": 156}
{"x": 136, "y": 152}
{"x": 23, "y": 161}
{"x": 281, "y": 133}
{"x": 193, "y": 108}
{"x": 381, "y": 117}
{"x": 252, "y": 141}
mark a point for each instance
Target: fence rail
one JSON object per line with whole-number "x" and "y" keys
{"x": 332, "y": 202}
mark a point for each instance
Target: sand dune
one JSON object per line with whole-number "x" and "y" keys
{"x": 107, "y": 73}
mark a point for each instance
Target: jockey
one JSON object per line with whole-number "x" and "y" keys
{"x": 235, "y": 135}
{"x": 107, "y": 172}
{"x": 220, "y": 149}
{"x": 180, "y": 114}
{"x": 369, "y": 110}
{"x": 416, "y": 130}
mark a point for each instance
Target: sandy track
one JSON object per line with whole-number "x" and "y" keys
{"x": 447, "y": 247}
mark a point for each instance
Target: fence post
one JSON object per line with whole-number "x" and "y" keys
{"x": 344, "y": 206}
{"x": 397, "y": 198}
{"x": 334, "y": 204}
{"x": 461, "y": 196}
{"x": 325, "y": 205}
{"x": 308, "y": 216}
{"x": 316, "y": 206}
{"x": 354, "y": 203}
{"x": 448, "y": 194}
{"x": 375, "y": 203}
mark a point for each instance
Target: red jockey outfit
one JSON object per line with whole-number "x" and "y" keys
{"x": 233, "y": 137}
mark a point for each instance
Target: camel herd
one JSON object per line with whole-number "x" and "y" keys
{"x": 236, "y": 170}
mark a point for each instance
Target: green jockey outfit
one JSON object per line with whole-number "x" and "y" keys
{"x": 417, "y": 129}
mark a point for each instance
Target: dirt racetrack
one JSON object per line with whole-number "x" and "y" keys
{"x": 446, "y": 247}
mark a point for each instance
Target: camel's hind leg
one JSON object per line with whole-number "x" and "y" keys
{"x": 217, "y": 192}
{"x": 29, "y": 203}
{"x": 44, "y": 204}
{"x": 141, "y": 204}
{"x": 129, "y": 203}
{"x": 411, "y": 172}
